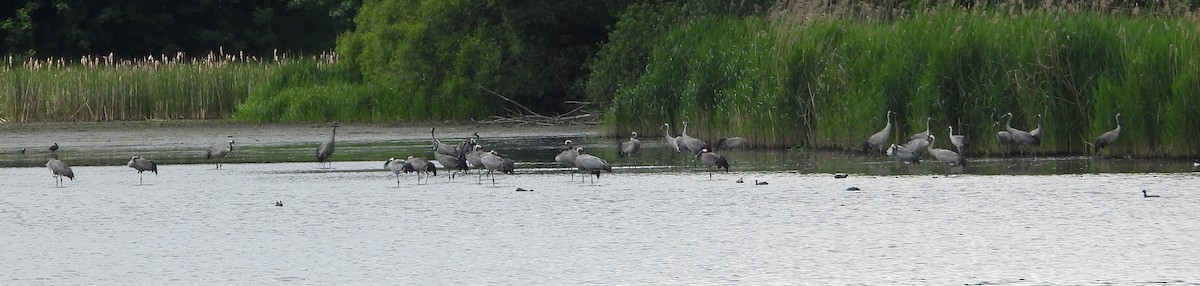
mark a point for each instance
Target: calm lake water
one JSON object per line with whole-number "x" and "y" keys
{"x": 655, "y": 220}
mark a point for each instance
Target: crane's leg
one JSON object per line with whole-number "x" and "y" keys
{"x": 139, "y": 178}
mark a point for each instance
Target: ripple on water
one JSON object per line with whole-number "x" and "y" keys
{"x": 353, "y": 225}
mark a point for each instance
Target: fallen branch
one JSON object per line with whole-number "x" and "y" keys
{"x": 525, "y": 116}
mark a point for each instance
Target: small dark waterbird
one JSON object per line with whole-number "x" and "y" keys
{"x": 141, "y": 165}
{"x": 279, "y": 203}
{"x": 54, "y": 148}
{"x": 1145, "y": 195}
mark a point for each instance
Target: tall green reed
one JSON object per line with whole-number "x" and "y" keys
{"x": 794, "y": 81}
{"x": 106, "y": 88}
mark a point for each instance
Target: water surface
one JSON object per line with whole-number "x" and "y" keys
{"x": 657, "y": 219}
{"x": 353, "y": 225}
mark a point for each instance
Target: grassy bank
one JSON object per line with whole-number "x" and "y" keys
{"x": 106, "y": 89}
{"x": 792, "y": 80}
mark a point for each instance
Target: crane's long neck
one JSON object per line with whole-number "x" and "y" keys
{"x": 888, "y": 126}
{"x": 1118, "y": 122}
{"x": 1008, "y": 124}
{"x": 667, "y": 128}
{"x": 332, "y": 136}
{"x": 230, "y": 146}
{"x": 927, "y": 126}
{"x": 684, "y": 134}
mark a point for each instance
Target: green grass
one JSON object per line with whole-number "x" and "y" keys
{"x": 108, "y": 89}
{"x": 826, "y": 82}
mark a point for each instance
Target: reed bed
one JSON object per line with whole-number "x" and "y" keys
{"x": 107, "y": 88}
{"x": 824, "y": 76}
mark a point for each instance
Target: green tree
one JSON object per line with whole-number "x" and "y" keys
{"x": 447, "y": 57}
{"x": 136, "y": 28}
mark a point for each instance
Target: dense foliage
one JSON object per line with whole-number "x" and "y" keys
{"x": 796, "y": 80}
{"x": 445, "y": 59}
{"x": 137, "y": 28}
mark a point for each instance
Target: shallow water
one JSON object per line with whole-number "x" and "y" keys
{"x": 658, "y": 219}
{"x": 192, "y": 224}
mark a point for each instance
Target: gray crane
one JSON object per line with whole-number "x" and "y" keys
{"x": 398, "y": 166}
{"x": 919, "y": 146}
{"x": 693, "y": 145}
{"x": 729, "y": 143}
{"x": 326, "y": 150}
{"x": 710, "y": 159}
{"x": 674, "y": 142}
{"x": 493, "y": 162}
{"x": 1002, "y": 136}
{"x": 632, "y": 146}
{"x": 473, "y": 157}
{"x": 879, "y": 139}
{"x": 420, "y": 165}
{"x": 587, "y": 163}
{"x": 141, "y": 165}
{"x": 566, "y": 158}
{"x": 449, "y": 162}
{"x": 1037, "y": 132}
{"x": 1108, "y": 138}
{"x": 442, "y": 148}
{"x": 960, "y": 142}
{"x": 508, "y": 166}
{"x": 1018, "y": 136}
{"x": 219, "y": 153}
{"x": 924, "y": 134}
{"x": 60, "y": 170}
{"x": 944, "y": 155}
{"x": 903, "y": 155}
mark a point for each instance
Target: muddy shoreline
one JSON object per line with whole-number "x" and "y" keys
{"x": 175, "y": 134}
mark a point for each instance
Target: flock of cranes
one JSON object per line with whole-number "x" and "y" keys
{"x": 461, "y": 157}
{"x": 469, "y": 154}
{"x": 922, "y": 143}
